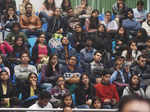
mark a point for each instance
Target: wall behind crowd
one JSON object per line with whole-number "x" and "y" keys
{"x": 102, "y": 5}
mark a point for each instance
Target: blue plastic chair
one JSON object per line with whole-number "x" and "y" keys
{"x": 44, "y": 27}
{"x": 32, "y": 41}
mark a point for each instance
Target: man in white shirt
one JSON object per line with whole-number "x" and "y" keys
{"x": 139, "y": 12}
{"x": 146, "y": 24}
{"x": 43, "y": 102}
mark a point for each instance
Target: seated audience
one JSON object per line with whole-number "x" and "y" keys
{"x": 29, "y": 90}
{"x": 47, "y": 10}
{"x": 40, "y": 49}
{"x": 107, "y": 92}
{"x": 85, "y": 92}
{"x": 15, "y": 32}
{"x": 97, "y": 103}
{"x": 65, "y": 51}
{"x": 58, "y": 92}
{"x": 134, "y": 86}
{"x": 72, "y": 73}
{"x": 50, "y": 72}
{"x": 8, "y": 91}
{"x": 43, "y": 101}
{"x": 22, "y": 70}
{"x": 96, "y": 66}
{"x": 146, "y": 24}
{"x": 30, "y": 23}
{"x": 139, "y": 12}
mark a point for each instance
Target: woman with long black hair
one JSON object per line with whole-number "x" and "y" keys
{"x": 50, "y": 72}
{"x": 134, "y": 87}
{"x": 47, "y": 10}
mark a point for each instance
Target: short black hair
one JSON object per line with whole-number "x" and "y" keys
{"x": 98, "y": 52}
{"x": 108, "y": 12}
{"x": 140, "y": 2}
{"x": 44, "y": 95}
{"x": 27, "y": 5}
{"x": 107, "y": 71}
{"x": 127, "y": 99}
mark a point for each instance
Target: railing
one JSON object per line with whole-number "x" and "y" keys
{"x": 58, "y": 110}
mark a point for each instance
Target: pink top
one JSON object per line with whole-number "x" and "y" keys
{"x": 42, "y": 51}
{"x": 5, "y": 48}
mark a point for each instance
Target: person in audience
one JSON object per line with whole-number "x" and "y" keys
{"x": 106, "y": 91}
{"x": 78, "y": 38}
{"x": 97, "y": 103}
{"x": 141, "y": 38}
{"x": 139, "y": 12}
{"x": 15, "y": 32}
{"x": 30, "y": 23}
{"x": 40, "y": 49}
{"x": 8, "y": 90}
{"x": 55, "y": 23}
{"x": 67, "y": 101}
{"x": 67, "y": 109}
{"x": 102, "y": 39}
{"x": 8, "y": 19}
{"x": 29, "y": 90}
{"x": 142, "y": 68}
{"x": 146, "y": 24}
{"x": 96, "y": 66}
{"x": 47, "y": 10}
{"x": 3, "y": 64}
{"x": 86, "y": 54}
{"x": 134, "y": 103}
{"x": 50, "y": 72}
{"x": 146, "y": 51}
{"x": 85, "y": 92}
{"x": 65, "y": 5}
{"x": 83, "y": 9}
{"x": 65, "y": 51}
{"x": 19, "y": 47}
{"x": 120, "y": 76}
{"x": 119, "y": 9}
{"x": 111, "y": 25}
{"x": 93, "y": 22}
{"x": 43, "y": 101}
{"x": 22, "y": 10}
{"x": 134, "y": 86}
{"x": 72, "y": 73}
{"x": 5, "y": 48}
{"x": 70, "y": 21}
{"x": 22, "y": 70}
{"x": 131, "y": 53}
{"x": 130, "y": 24}
{"x": 5, "y": 5}
{"x": 121, "y": 39}
{"x": 58, "y": 92}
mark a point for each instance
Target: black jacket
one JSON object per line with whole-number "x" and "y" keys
{"x": 82, "y": 95}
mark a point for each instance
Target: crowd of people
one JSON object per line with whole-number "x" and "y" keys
{"x": 80, "y": 58}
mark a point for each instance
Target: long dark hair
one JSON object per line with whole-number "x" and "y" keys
{"x": 94, "y": 20}
{"x": 64, "y": 8}
{"x": 67, "y": 95}
{"x": 81, "y": 83}
{"x": 6, "y": 16}
{"x": 30, "y": 76}
{"x": 131, "y": 88}
{"x": 49, "y": 6}
{"x": 49, "y": 71}
{"x": 129, "y": 50}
